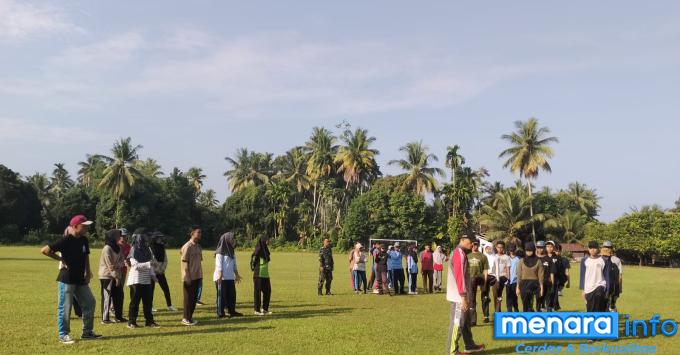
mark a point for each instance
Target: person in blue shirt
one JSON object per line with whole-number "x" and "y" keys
{"x": 511, "y": 289}
{"x": 394, "y": 262}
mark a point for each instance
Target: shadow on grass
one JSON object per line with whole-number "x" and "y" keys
{"x": 326, "y": 312}
{"x": 189, "y": 330}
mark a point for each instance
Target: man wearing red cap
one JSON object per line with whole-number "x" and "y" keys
{"x": 73, "y": 278}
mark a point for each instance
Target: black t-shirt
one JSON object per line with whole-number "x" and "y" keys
{"x": 74, "y": 253}
{"x": 549, "y": 267}
{"x": 559, "y": 267}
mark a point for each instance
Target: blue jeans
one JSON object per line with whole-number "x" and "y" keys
{"x": 66, "y": 295}
{"x": 359, "y": 279}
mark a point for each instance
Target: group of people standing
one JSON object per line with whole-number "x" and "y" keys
{"x": 141, "y": 265}
{"x": 388, "y": 275}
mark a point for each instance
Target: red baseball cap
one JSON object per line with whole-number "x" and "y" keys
{"x": 79, "y": 219}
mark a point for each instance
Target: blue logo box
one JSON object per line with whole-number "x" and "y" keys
{"x": 556, "y": 325}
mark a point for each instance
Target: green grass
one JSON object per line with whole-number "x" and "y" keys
{"x": 302, "y": 322}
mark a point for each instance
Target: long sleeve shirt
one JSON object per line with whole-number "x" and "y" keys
{"x": 394, "y": 260}
{"x": 140, "y": 273}
{"x": 458, "y": 278}
{"x": 412, "y": 265}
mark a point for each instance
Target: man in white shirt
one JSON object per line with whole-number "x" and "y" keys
{"x": 593, "y": 282}
{"x": 501, "y": 269}
{"x": 490, "y": 281}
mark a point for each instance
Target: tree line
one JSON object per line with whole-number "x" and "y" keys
{"x": 330, "y": 186}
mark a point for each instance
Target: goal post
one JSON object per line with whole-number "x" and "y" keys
{"x": 403, "y": 243}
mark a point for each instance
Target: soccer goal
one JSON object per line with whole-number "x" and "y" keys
{"x": 403, "y": 243}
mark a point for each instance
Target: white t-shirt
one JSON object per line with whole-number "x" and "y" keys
{"x": 594, "y": 274}
{"x": 616, "y": 261}
{"x": 225, "y": 265}
{"x": 492, "y": 261}
{"x": 502, "y": 262}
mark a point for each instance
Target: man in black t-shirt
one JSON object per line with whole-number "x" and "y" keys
{"x": 549, "y": 272}
{"x": 73, "y": 278}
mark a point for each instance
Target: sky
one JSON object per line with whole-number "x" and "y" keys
{"x": 194, "y": 81}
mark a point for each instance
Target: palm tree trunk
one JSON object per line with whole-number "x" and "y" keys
{"x": 531, "y": 212}
{"x": 314, "y": 205}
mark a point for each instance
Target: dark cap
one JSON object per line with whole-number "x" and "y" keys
{"x": 593, "y": 244}
{"x": 530, "y": 247}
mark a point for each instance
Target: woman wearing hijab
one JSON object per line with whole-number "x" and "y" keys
{"x": 357, "y": 265}
{"x": 159, "y": 267}
{"x": 529, "y": 277}
{"x": 225, "y": 276}
{"x": 110, "y": 271}
{"x": 438, "y": 259}
{"x": 259, "y": 263}
{"x": 139, "y": 279}
{"x": 412, "y": 264}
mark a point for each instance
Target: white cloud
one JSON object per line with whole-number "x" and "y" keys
{"x": 25, "y": 131}
{"x": 19, "y": 20}
{"x": 113, "y": 51}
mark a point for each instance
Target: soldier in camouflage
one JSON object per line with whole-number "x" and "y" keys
{"x": 325, "y": 266}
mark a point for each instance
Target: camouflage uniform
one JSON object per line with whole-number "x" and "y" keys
{"x": 325, "y": 269}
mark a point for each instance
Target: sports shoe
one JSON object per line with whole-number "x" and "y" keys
{"x": 121, "y": 320}
{"x": 486, "y": 319}
{"x": 154, "y": 310}
{"x": 66, "y": 339}
{"x": 376, "y": 291}
{"x": 258, "y": 313}
{"x": 153, "y": 325}
{"x": 90, "y": 336}
{"x": 132, "y": 326}
{"x": 172, "y": 309}
{"x": 107, "y": 322}
{"x": 236, "y": 314}
{"x": 200, "y": 303}
{"x": 188, "y": 322}
{"x": 475, "y": 349}
{"x": 266, "y": 312}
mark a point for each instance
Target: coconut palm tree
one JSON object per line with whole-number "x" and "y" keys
{"x": 356, "y": 159}
{"x": 196, "y": 177}
{"x": 293, "y": 168}
{"x": 248, "y": 169}
{"x": 454, "y": 160}
{"x": 420, "y": 176}
{"x": 568, "y": 226}
{"x": 509, "y": 214}
{"x": 61, "y": 180}
{"x": 121, "y": 175}
{"x": 208, "y": 199}
{"x": 41, "y": 184}
{"x": 90, "y": 170}
{"x": 583, "y": 198}
{"x": 149, "y": 168}
{"x": 321, "y": 150}
{"x": 528, "y": 153}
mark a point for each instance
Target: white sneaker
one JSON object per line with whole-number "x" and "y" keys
{"x": 376, "y": 291}
{"x": 259, "y": 313}
{"x": 154, "y": 310}
{"x": 266, "y": 313}
{"x": 172, "y": 309}
{"x": 66, "y": 339}
{"x": 188, "y": 323}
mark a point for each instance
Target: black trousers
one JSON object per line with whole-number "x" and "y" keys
{"x": 413, "y": 282}
{"x": 546, "y": 302}
{"x": 226, "y": 297}
{"x": 163, "y": 283}
{"x": 398, "y": 278}
{"x": 477, "y": 282}
{"x": 528, "y": 291}
{"x": 511, "y": 298}
{"x": 190, "y": 298}
{"x": 325, "y": 276}
{"x": 263, "y": 293}
{"x": 498, "y": 293}
{"x": 427, "y": 280}
{"x": 596, "y": 301}
{"x": 488, "y": 285}
{"x": 139, "y": 292}
{"x": 111, "y": 295}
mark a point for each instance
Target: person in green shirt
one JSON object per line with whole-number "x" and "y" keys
{"x": 478, "y": 265}
{"x": 259, "y": 263}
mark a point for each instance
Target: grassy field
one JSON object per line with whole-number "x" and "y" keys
{"x": 302, "y": 321}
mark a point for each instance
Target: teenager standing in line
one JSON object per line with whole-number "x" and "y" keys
{"x": 259, "y": 263}
{"x": 501, "y": 268}
{"x": 511, "y": 290}
{"x": 226, "y": 276}
{"x": 111, "y": 266}
{"x": 490, "y": 281}
{"x": 438, "y": 260}
{"x": 191, "y": 256}
{"x": 395, "y": 264}
{"x": 479, "y": 268}
{"x": 161, "y": 264}
{"x": 529, "y": 279}
{"x": 140, "y": 278}
{"x": 357, "y": 265}
{"x": 412, "y": 265}
{"x": 381, "y": 270}
{"x": 427, "y": 266}
{"x": 549, "y": 271}
{"x": 594, "y": 279}
{"x": 616, "y": 275}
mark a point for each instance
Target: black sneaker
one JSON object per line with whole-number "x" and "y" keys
{"x": 486, "y": 320}
{"x": 91, "y": 336}
{"x": 106, "y": 321}
{"x": 121, "y": 320}
{"x": 236, "y": 314}
{"x": 153, "y": 325}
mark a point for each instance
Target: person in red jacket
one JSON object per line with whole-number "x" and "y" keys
{"x": 457, "y": 287}
{"x": 427, "y": 268}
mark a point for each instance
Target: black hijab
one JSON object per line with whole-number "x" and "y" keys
{"x": 112, "y": 237}
{"x": 140, "y": 246}
{"x": 225, "y": 246}
{"x": 158, "y": 246}
{"x": 530, "y": 261}
{"x": 261, "y": 249}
